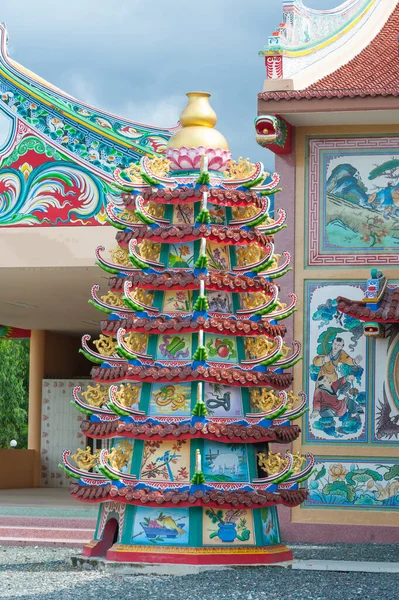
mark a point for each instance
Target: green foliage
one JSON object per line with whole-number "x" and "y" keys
{"x": 382, "y": 169}
{"x": 392, "y": 473}
{"x": 362, "y": 475}
{"x": 14, "y": 392}
{"x": 321, "y": 473}
{"x": 340, "y": 488}
{"x": 216, "y": 516}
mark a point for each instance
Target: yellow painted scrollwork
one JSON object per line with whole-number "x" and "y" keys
{"x": 128, "y": 395}
{"x": 84, "y": 459}
{"x": 257, "y": 347}
{"x": 137, "y": 343}
{"x": 272, "y": 463}
{"x": 113, "y": 299}
{"x": 264, "y": 400}
{"x": 95, "y": 395}
{"x": 160, "y": 167}
{"x": 149, "y": 250}
{"x": 106, "y": 345}
{"x": 240, "y": 169}
{"x": 119, "y": 457}
{"x": 120, "y": 256}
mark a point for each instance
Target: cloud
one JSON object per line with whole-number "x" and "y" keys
{"x": 138, "y": 58}
{"x": 164, "y": 112}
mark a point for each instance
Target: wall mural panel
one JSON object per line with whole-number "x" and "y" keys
{"x": 357, "y": 220}
{"x": 161, "y": 527}
{"x": 360, "y": 485}
{"x": 222, "y": 527}
{"x": 335, "y": 366}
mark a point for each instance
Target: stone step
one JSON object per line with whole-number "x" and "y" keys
{"x": 23, "y": 533}
{"x": 42, "y": 531}
{"x": 43, "y": 522}
{"x": 56, "y": 542}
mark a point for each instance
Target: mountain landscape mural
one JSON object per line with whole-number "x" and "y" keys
{"x": 362, "y": 204}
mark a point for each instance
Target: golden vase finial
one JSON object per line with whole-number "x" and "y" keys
{"x": 198, "y": 120}
{"x": 198, "y": 111}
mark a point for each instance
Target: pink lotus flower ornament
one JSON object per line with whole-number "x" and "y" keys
{"x": 189, "y": 159}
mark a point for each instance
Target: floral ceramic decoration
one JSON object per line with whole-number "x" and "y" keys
{"x": 218, "y": 256}
{"x": 181, "y": 256}
{"x": 177, "y": 300}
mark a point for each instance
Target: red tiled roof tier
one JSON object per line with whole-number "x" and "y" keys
{"x": 179, "y": 324}
{"x": 387, "y": 311}
{"x": 373, "y": 72}
{"x": 229, "y": 433}
{"x": 185, "y": 233}
{"x": 186, "y": 195}
{"x": 212, "y": 499}
{"x": 153, "y": 374}
{"x": 174, "y": 280}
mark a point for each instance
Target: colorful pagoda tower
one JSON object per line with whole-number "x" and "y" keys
{"x": 190, "y": 385}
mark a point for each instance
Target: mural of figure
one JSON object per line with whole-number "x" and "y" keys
{"x": 326, "y": 401}
{"x": 335, "y": 356}
{"x": 329, "y": 363}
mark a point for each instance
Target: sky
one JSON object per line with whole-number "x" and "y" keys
{"x": 138, "y": 58}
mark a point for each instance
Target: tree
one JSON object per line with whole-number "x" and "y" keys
{"x": 14, "y": 392}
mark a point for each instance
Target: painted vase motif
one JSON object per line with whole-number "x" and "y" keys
{"x": 227, "y": 532}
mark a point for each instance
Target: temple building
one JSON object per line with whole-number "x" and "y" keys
{"x": 61, "y": 162}
{"x": 329, "y": 110}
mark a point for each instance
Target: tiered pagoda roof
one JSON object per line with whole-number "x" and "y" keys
{"x": 141, "y": 344}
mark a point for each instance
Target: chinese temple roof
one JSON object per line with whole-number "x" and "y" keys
{"x": 374, "y": 71}
{"x": 380, "y": 304}
{"x": 102, "y": 142}
{"x": 357, "y": 57}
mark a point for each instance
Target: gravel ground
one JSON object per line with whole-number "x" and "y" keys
{"x": 42, "y": 574}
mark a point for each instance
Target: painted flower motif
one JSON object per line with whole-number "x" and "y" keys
{"x": 184, "y": 251}
{"x": 187, "y": 159}
{"x": 26, "y": 169}
{"x": 337, "y": 471}
{"x": 181, "y": 296}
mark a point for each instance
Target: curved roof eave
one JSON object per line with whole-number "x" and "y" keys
{"x": 128, "y": 135}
